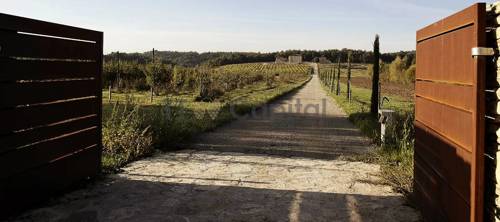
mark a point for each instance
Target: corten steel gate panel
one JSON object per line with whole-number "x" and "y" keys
{"x": 50, "y": 109}
{"x": 449, "y": 125}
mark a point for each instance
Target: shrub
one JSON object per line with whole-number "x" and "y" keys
{"x": 397, "y": 153}
{"x": 184, "y": 78}
{"x": 401, "y": 70}
{"x": 396, "y": 70}
{"x": 157, "y": 76}
{"x": 410, "y": 74}
{"x": 208, "y": 89}
{"x": 124, "y": 136}
{"x": 401, "y": 134}
{"x": 171, "y": 123}
{"x": 121, "y": 74}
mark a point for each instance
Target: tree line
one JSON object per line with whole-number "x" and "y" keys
{"x": 214, "y": 59}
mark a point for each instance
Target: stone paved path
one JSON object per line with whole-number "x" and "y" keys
{"x": 284, "y": 166}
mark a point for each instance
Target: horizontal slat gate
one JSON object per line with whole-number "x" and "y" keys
{"x": 50, "y": 109}
{"x": 449, "y": 121}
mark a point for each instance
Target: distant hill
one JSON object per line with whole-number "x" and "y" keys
{"x": 192, "y": 59}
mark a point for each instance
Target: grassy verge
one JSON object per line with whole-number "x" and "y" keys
{"x": 395, "y": 155}
{"x": 139, "y": 126}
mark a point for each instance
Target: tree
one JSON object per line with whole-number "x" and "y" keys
{"x": 375, "y": 77}
{"x": 153, "y": 73}
{"x": 397, "y": 69}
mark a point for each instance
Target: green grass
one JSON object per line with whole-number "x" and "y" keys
{"x": 359, "y": 107}
{"x": 395, "y": 157}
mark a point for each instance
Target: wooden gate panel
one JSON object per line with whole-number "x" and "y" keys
{"x": 453, "y": 171}
{"x": 10, "y": 142}
{"x": 457, "y": 96}
{"x": 449, "y": 117}
{"x": 455, "y": 124}
{"x": 50, "y": 109}
{"x": 12, "y": 69}
{"x": 441, "y": 202}
{"x": 453, "y": 62}
{"x": 37, "y": 116}
{"x": 47, "y": 178}
{"x": 41, "y": 92}
{"x": 45, "y": 47}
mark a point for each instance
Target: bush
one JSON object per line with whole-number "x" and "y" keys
{"x": 397, "y": 153}
{"x": 410, "y": 74}
{"x": 124, "y": 136}
{"x": 157, "y": 76}
{"x": 396, "y": 70}
{"x": 184, "y": 78}
{"x": 171, "y": 123}
{"x": 123, "y": 75}
{"x": 402, "y": 70}
{"x": 401, "y": 134}
{"x": 208, "y": 89}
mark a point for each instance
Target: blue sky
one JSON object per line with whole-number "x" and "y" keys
{"x": 251, "y": 25}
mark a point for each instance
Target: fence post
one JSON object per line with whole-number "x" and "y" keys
{"x": 152, "y": 83}
{"x": 118, "y": 75}
{"x": 349, "y": 76}
{"x": 109, "y": 95}
{"x": 332, "y": 81}
{"x": 338, "y": 77}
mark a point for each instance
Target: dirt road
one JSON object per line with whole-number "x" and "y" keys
{"x": 283, "y": 164}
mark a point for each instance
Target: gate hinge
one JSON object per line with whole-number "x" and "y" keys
{"x": 483, "y": 51}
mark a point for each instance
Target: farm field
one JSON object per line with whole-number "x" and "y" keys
{"x": 188, "y": 115}
{"x": 361, "y": 78}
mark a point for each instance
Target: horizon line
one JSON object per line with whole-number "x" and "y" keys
{"x": 256, "y": 52}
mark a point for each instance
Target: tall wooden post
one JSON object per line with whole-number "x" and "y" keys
{"x": 349, "y": 76}
{"x": 338, "y": 77}
{"x": 152, "y": 82}
{"x": 109, "y": 96}
{"x": 332, "y": 81}
{"x": 118, "y": 75}
{"x": 329, "y": 76}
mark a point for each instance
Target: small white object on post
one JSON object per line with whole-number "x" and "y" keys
{"x": 386, "y": 116}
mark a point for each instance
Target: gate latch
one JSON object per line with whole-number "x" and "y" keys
{"x": 482, "y": 51}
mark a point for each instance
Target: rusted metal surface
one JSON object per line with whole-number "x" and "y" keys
{"x": 449, "y": 121}
{"x": 50, "y": 109}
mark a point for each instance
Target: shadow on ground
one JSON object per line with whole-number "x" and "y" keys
{"x": 287, "y": 135}
{"x": 157, "y": 201}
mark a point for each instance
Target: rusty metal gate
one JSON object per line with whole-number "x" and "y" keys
{"x": 50, "y": 109}
{"x": 450, "y": 110}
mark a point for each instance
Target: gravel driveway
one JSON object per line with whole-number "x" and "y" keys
{"x": 281, "y": 164}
